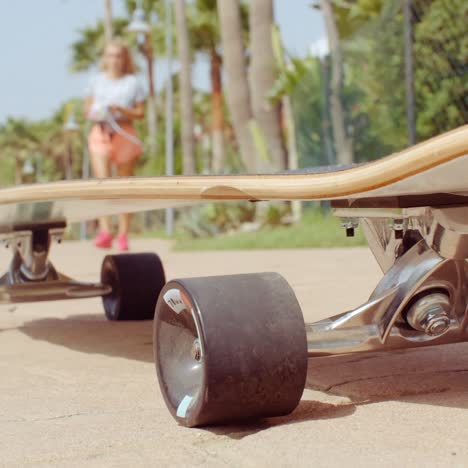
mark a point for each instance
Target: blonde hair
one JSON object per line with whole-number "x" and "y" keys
{"x": 129, "y": 66}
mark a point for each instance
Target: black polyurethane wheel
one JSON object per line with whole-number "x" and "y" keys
{"x": 229, "y": 348}
{"x": 136, "y": 281}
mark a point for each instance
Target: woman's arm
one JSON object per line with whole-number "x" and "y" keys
{"x": 137, "y": 112}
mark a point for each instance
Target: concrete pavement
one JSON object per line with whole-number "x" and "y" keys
{"x": 76, "y": 390}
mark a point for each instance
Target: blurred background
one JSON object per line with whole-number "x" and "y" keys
{"x": 320, "y": 83}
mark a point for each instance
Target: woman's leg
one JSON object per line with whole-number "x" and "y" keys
{"x": 101, "y": 169}
{"x": 125, "y": 170}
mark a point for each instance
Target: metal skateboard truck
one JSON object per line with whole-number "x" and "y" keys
{"x": 129, "y": 285}
{"x": 236, "y": 347}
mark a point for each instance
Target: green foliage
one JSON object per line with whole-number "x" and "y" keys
{"x": 374, "y": 61}
{"x": 374, "y": 66}
{"x": 317, "y": 229}
{"x": 216, "y": 218}
{"x": 43, "y": 143}
{"x": 229, "y": 218}
{"x": 371, "y": 33}
{"x": 203, "y": 26}
{"x": 441, "y": 52}
{"x": 274, "y": 214}
{"x": 310, "y": 114}
{"x": 7, "y": 169}
{"x": 291, "y": 76}
{"x": 87, "y": 50}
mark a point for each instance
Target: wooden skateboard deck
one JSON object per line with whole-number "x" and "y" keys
{"x": 436, "y": 166}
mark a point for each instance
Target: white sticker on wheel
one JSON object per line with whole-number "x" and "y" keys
{"x": 174, "y": 301}
{"x": 183, "y": 406}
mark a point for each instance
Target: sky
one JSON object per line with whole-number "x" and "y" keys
{"x": 35, "y": 53}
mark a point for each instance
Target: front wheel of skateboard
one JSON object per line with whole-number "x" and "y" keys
{"x": 229, "y": 348}
{"x": 136, "y": 281}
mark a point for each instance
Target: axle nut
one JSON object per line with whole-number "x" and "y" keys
{"x": 435, "y": 326}
{"x": 430, "y": 314}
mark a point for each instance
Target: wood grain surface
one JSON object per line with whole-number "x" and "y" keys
{"x": 347, "y": 183}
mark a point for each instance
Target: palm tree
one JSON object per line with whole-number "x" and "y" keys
{"x": 263, "y": 76}
{"x": 19, "y": 138}
{"x": 86, "y": 51}
{"x": 236, "y": 79}
{"x": 343, "y": 143}
{"x": 108, "y": 19}
{"x": 205, "y": 38}
{"x": 186, "y": 95}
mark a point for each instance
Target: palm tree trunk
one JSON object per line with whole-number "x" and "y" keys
{"x": 217, "y": 122}
{"x": 236, "y": 79}
{"x": 186, "y": 106}
{"x": 293, "y": 160}
{"x": 68, "y": 160}
{"x": 108, "y": 20}
{"x": 263, "y": 75}
{"x": 152, "y": 123}
{"x": 343, "y": 144}
{"x": 18, "y": 171}
{"x": 151, "y": 104}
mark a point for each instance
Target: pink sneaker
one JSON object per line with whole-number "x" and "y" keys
{"x": 122, "y": 242}
{"x": 103, "y": 240}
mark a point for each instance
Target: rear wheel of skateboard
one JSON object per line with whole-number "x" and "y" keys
{"x": 136, "y": 281}
{"x": 229, "y": 348}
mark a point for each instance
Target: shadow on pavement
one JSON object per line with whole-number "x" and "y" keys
{"x": 307, "y": 410}
{"x": 434, "y": 375}
{"x": 93, "y": 334}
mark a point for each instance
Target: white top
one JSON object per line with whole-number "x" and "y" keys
{"x": 126, "y": 91}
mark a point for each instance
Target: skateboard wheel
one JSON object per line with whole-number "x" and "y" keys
{"x": 229, "y": 348}
{"x": 136, "y": 281}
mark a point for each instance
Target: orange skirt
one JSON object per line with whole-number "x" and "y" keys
{"x": 113, "y": 145}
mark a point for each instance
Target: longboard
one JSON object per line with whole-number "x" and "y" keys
{"x": 436, "y": 166}
{"x": 236, "y": 347}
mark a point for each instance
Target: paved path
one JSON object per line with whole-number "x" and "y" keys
{"x": 76, "y": 390}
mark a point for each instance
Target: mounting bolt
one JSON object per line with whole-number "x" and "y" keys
{"x": 399, "y": 226}
{"x": 349, "y": 224}
{"x": 430, "y": 314}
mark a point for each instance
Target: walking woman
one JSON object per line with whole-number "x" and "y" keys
{"x": 114, "y": 99}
